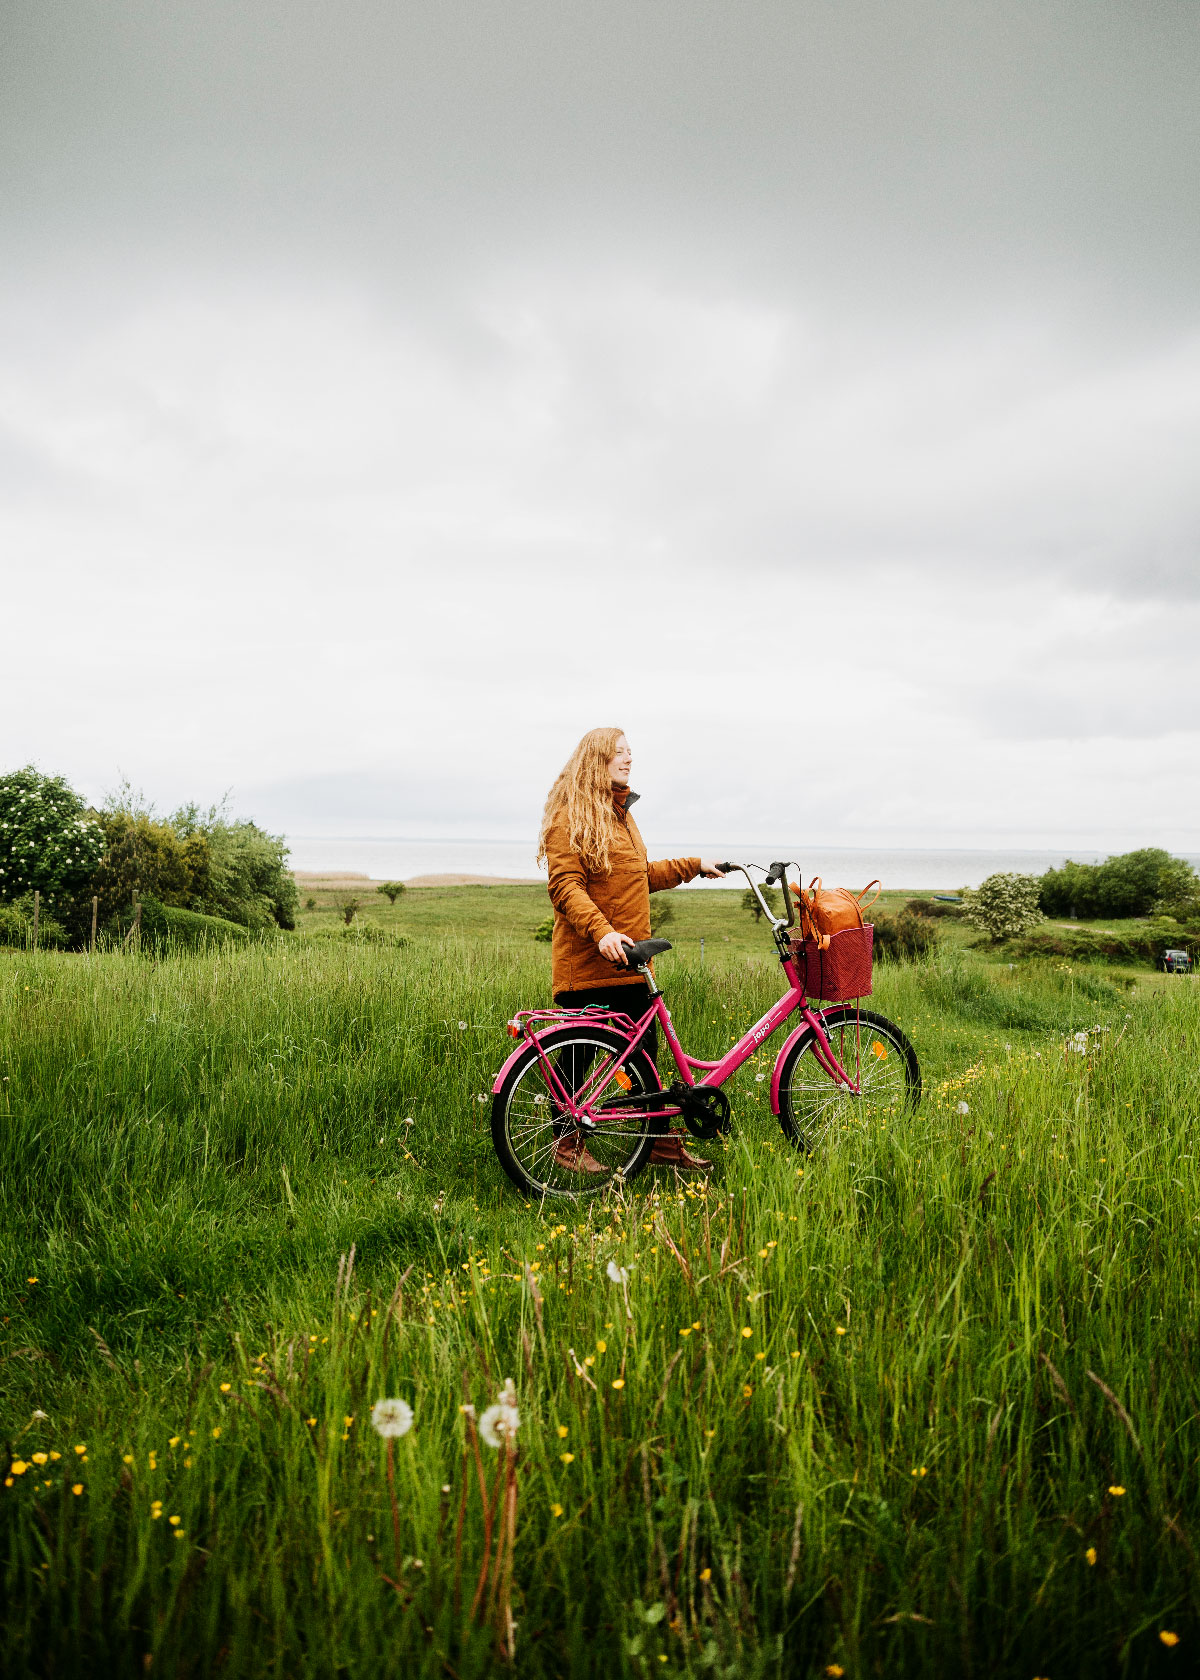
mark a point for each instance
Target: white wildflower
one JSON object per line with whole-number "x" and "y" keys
{"x": 499, "y": 1424}
{"x": 964, "y": 1108}
{"x": 618, "y": 1274}
{"x": 391, "y": 1418}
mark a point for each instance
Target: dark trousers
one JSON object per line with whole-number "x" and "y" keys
{"x": 633, "y": 1001}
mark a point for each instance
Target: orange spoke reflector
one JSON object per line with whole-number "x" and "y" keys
{"x": 879, "y": 1050}
{"x": 623, "y": 1080}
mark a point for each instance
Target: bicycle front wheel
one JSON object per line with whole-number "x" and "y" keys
{"x": 885, "y": 1078}
{"x": 545, "y": 1153}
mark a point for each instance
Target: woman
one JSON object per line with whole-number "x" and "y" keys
{"x": 600, "y": 885}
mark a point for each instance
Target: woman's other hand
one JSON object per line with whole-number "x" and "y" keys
{"x": 613, "y": 946}
{"x": 711, "y": 870}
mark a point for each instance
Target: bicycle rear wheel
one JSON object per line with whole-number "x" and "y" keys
{"x": 540, "y": 1150}
{"x": 876, "y": 1055}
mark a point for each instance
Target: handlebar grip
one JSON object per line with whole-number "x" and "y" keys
{"x": 726, "y": 867}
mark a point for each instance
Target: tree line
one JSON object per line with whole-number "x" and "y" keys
{"x": 206, "y": 863}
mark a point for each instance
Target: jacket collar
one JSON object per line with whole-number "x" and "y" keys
{"x": 623, "y": 798}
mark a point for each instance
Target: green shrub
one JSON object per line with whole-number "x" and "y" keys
{"x": 1091, "y": 945}
{"x": 49, "y": 842}
{"x": 750, "y": 902}
{"x": 662, "y": 912}
{"x": 905, "y": 937}
{"x": 1129, "y": 884}
{"x": 1005, "y": 905}
{"x": 166, "y": 927}
{"x": 545, "y": 930}
{"x": 16, "y": 927}
{"x": 248, "y": 880}
{"x": 145, "y": 857}
{"x": 934, "y": 909}
{"x": 391, "y": 890}
{"x": 367, "y": 933}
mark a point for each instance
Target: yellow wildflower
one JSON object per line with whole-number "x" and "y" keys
{"x": 566, "y": 1458}
{"x": 618, "y": 1382}
{"x": 1090, "y": 1555}
{"x": 1117, "y": 1491}
{"x": 77, "y": 1489}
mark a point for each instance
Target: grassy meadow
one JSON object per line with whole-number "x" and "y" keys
{"x": 926, "y": 1403}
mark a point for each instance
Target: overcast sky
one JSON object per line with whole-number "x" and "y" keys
{"x": 389, "y": 392}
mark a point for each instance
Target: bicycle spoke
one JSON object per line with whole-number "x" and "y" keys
{"x": 880, "y": 1065}
{"x": 550, "y": 1153}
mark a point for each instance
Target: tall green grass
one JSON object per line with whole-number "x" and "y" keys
{"x": 964, "y": 1333}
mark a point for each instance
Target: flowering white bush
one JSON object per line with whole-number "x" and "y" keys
{"x": 1005, "y": 905}
{"x": 48, "y": 843}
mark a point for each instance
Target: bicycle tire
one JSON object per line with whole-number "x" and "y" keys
{"x": 523, "y": 1119}
{"x": 812, "y": 1107}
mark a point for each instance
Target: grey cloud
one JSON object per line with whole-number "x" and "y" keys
{"x": 368, "y": 367}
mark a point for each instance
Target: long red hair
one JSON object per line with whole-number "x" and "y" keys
{"x": 583, "y": 790}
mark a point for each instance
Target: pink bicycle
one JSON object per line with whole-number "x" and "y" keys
{"x": 582, "y": 1086}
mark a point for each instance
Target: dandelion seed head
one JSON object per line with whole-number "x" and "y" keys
{"x": 391, "y": 1418}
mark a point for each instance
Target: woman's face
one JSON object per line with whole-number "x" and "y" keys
{"x": 621, "y": 763}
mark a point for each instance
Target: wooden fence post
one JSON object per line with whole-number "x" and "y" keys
{"x": 37, "y": 905}
{"x": 134, "y": 936}
{"x": 95, "y": 908}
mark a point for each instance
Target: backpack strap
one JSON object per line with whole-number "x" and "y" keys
{"x": 878, "y": 885}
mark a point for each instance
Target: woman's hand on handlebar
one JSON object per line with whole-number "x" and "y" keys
{"x": 613, "y": 946}
{"x": 711, "y": 869}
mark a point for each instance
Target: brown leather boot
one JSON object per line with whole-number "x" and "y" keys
{"x": 669, "y": 1151}
{"x": 572, "y": 1153}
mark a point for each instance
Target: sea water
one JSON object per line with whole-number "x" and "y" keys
{"x": 400, "y": 858}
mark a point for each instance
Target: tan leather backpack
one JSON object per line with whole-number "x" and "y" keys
{"x": 825, "y": 911}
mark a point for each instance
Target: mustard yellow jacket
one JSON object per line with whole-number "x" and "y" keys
{"x": 588, "y": 905}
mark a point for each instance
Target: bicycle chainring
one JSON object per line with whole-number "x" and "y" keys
{"x": 705, "y": 1109}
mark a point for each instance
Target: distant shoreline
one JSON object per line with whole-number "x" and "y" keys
{"x": 307, "y": 881}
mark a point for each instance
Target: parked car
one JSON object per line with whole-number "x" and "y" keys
{"x": 1176, "y": 962}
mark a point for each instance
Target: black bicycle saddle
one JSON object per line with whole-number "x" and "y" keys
{"x": 636, "y": 955}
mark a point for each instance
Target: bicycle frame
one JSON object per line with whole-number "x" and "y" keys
{"x": 578, "y": 1104}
